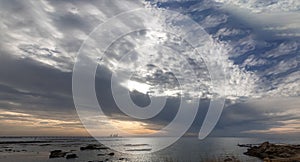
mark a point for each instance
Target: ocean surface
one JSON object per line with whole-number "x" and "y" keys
{"x": 187, "y": 149}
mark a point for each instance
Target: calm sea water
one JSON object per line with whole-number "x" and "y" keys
{"x": 186, "y": 149}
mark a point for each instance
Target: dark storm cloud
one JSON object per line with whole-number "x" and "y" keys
{"x": 29, "y": 79}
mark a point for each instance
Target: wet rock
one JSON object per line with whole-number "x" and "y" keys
{"x": 71, "y": 156}
{"x": 231, "y": 159}
{"x": 6, "y": 147}
{"x": 93, "y": 147}
{"x": 111, "y": 154}
{"x": 57, "y": 154}
{"x": 144, "y": 149}
{"x": 135, "y": 145}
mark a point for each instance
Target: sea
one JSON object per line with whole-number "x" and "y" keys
{"x": 186, "y": 149}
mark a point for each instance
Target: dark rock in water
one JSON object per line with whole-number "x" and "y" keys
{"x": 93, "y": 147}
{"x": 145, "y": 149}
{"x": 231, "y": 159}
{"x": 57, "y": 154}
{"x": 100, "y": 154}
{"x": 6, "y": 147}
{"x": 111, "y": 154}
{"x": 71, "y": 156}
{"x": 136, "y": 145}
{"x": 274, "y": 151}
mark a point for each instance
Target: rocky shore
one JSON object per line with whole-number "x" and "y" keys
{"x": 269, "y": 152}
{"x": 71, "y": 155}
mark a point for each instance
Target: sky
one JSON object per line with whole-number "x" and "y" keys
{"x": 258, "y": 49}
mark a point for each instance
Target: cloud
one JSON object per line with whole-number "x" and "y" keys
{"x": 265, "y": 6}
{"x": 51, "y": 32}
{"x": 40, "y": 41}
{"x": 271, "y": 117}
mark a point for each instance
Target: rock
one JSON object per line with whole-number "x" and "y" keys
{"x": 71, "y": 156}
{"x": 285, "y": 155}
{"x": 274, "y": 151}
{"x": 111, "y": 154}
{"x": 93, "y": 147}
{"x": 57, "y": 154}
{"x": 231, "y": 159}
{"x": 143, "y": 149}
{"x": 100, "y": 154}
{"x": 264, "y": 146}
{"x": 228, "y": 159}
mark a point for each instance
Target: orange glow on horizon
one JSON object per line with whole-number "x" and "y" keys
{"x": 133, "y": 127}
{"x": 17, "y": 123}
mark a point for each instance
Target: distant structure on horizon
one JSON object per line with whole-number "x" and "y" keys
{"x": 113, "y": 135}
